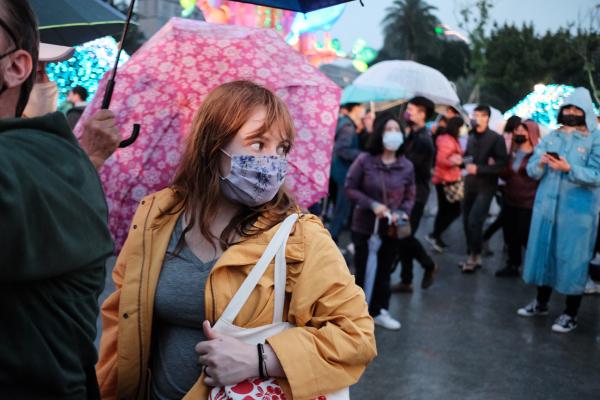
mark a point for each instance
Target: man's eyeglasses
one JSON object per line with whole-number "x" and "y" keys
{"x": 4, "y": 25}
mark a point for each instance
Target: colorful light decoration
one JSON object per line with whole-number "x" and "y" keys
{"x": 542, "y": 105}
{"x": 88, "y": 64}
{"x": 362, "y": 55}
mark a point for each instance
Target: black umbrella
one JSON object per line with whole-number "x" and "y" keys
{"x": 72, "y": 22}
{"x": 302, "y": 6}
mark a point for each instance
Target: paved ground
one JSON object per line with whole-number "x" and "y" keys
{"x": 462, "y": 340}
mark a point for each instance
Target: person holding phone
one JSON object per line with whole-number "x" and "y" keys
{"x": 485, "y": 158}
{"x": 564, "y": 222}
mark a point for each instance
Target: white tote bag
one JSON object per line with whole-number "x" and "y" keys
{"x": 256, "y": 388}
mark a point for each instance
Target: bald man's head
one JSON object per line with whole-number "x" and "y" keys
{"x": 19, "y": 44}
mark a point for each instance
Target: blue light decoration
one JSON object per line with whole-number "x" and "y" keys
{"x": 320, "y": 20}
{"x": 87, "y": 66}
{"x": 542, "y": 105}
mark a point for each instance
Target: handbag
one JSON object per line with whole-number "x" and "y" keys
{"x": 454, "y": 191}
{"x": 258, "y": 388}
{"x": 401, "y": 229}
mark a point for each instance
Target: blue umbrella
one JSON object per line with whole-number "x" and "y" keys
{"x": 302, "y": 6}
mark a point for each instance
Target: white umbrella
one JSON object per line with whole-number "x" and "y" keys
{"x": 371, "y": 270}
{"x": 497, "y": 121}
{"x": 400, "y": 80}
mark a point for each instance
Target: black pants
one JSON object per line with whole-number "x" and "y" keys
{"x": 499, "y": 221}
{"x": 517, "y": 223}
{"x": 385, "y": 260}
{"x": 476, "y": 206}
{"x": 447, "y": 213}
{"x": 411, "y": 248}
{"x": 573, "y": 301}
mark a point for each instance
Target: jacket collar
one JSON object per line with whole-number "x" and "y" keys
{"x": 53, "y": 123}
{"x": 169, "y": 206}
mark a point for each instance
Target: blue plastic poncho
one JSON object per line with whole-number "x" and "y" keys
{"x": 565, "y": 212}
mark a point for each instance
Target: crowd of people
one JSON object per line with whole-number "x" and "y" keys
{"x": 547, "y": 188}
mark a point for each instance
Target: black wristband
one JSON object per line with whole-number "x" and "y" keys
{"x": 261, "y": 371}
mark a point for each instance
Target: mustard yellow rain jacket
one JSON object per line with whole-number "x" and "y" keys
{"x": 329, "y": 349}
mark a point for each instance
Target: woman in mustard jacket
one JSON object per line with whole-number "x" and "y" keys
{"x": 192, "y": 245}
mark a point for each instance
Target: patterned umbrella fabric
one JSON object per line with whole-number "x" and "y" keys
{"x": 165, "y": 81}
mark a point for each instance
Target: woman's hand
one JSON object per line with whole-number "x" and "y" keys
{"x": 227, "y": 361}
{"x": 456, "y": 159}
{"x": 544, "y": 159}
{"x": 381, "y": 210}
{"x": 559, "y": 165}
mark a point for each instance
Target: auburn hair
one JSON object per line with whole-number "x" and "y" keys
{"x": 197, "y": 181}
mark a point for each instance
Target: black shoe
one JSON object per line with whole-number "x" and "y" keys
{"x": 508, "y": 272}
{"x": 428, "y": 277}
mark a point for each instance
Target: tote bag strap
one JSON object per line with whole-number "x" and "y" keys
{"x": 275, "y": 249}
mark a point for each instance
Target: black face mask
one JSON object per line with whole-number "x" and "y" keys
{"x": 573, "y": 120}
{"x": 520, "y": 139}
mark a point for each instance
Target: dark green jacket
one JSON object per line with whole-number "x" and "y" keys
{"x": 54, "y": 241}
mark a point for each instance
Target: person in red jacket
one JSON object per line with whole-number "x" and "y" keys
{"x": 446, "y": 172}
{"x": 519, "y": 194}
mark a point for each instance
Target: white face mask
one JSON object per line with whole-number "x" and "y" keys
{"x": 42, "y": 100}
{"x": 392, "y": 140}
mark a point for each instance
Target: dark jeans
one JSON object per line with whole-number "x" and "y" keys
{"x": 573, "y": 302}
{"x": 341, "y": 212}
{"x": 385, "y": 260}
{"x": 498, "y": 222}
{"x": 412, "y": 249}
{"x": 447, "y": 213}
{"x": 476, "y": 206}
{"x": 517, "y": 222}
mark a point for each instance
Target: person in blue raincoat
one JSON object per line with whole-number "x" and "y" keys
{"x": 565, "y": 212}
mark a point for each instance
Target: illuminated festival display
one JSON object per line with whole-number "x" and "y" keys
{"x": 542, "y": 104}
{"x": 88, "y": 64}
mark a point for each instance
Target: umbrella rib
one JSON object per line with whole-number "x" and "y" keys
{"x": 81, "y": 24}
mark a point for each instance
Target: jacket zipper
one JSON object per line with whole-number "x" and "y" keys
{"x": 139, "y": 303}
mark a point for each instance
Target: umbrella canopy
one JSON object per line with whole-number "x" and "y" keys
{"x": 165, "y": 81}
{"x": 400, "y": 80}
{"x": 302, "y": 6}
{"x": 72, "y": 22}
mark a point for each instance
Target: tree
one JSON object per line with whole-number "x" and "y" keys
{"x": 474, "y": 20}
{"x": 587, "y": 46}
{"x": 409, "y": 29}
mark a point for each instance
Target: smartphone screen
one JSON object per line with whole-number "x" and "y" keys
{"x": 553, "y": 155}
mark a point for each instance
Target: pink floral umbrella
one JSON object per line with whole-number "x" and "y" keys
{"x": 165, "y": 81}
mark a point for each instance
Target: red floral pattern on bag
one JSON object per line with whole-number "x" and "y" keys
{"x": 255, "y": 389}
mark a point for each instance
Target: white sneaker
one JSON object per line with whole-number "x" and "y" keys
{"x": 533, "y": 309}
{"x": 591, "y": 287}
{"x": 596, "y": 259}
{"x": 564, "y": 324}
{"x": 386, "y": 321}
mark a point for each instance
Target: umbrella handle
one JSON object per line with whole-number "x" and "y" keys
{"x": 134, "y": 135}
{"x": 106, "y": 103}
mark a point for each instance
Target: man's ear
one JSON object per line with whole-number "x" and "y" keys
{"x": 19, "y": 68}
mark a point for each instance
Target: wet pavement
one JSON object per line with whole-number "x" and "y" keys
{"x": 462, "y": 340}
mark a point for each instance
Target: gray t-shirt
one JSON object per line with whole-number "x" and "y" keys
{"x": 178, "y": 317}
